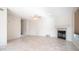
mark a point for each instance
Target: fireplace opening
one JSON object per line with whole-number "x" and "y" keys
{"x": 62, "y": 34}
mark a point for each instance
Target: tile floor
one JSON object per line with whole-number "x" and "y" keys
{"x": 32, "y": 43}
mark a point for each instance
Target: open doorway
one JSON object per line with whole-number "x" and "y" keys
{"x": 76, "y": 28}
{"x": 23, "y": 27}
{"x": 77, "y": 22}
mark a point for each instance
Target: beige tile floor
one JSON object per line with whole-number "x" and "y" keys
{"x": 32, "y": 43}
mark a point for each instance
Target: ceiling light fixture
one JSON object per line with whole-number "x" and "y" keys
{"x": 36, "y": 17}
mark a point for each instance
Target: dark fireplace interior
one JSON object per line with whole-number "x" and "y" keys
{"x": 62, "y": 34}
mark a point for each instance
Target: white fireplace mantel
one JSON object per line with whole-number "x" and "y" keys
{"x": 63, "y": 28}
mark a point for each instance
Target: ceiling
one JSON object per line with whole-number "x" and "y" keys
{"x": 28, "y": 12}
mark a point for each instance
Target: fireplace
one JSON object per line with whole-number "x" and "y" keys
{"x": 61, "y": 34}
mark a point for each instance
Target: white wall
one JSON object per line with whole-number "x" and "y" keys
{"x": 63, "y": 17}
{"x": 41, "y": 27}
{"x": 14, "y": 26}
{"x": 3, "y": 27}
{"x": 52, "y": 18}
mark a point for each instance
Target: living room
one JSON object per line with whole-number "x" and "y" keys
{"x": 30, "y": 28}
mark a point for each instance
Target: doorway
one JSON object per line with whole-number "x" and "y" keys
{"x": 23, "y": 27}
